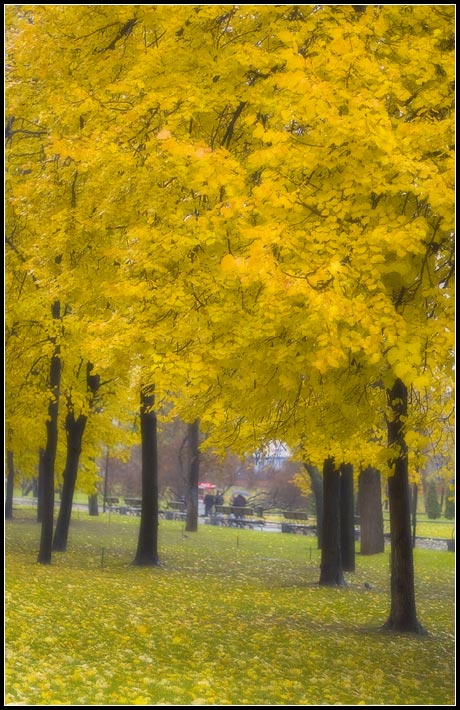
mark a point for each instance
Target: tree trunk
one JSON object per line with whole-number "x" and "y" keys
{"x": 414, "y": 501}
{"x": 9, "y": 485}
{"x": 331, "y": 558}
{"x": 347, "y": 518}
{"x": 191, "y": 497}
{"x": 317, "y": 488}
{"x": 93, "y": 507}
{"x": 403, "y": 616}
{"x": 40, "y": 477}
{"x": 147, "y": 546}
{"x": 74, "y": 429}
{"x": 49, "y": 457}
{"x": 370, "y": 512}
{"x": 106, "y": 480}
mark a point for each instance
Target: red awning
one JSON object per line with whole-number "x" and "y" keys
{"x": 206, "y": 486}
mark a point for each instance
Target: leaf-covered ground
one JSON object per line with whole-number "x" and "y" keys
{"x": 228, "y": 618}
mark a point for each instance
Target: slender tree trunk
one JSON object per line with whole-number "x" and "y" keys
{"x": 93, "y": 507}
{"x": 317, "y": 488}
{"x": 403, "y": 616}
{"x": 414, "y": 501}
{"x": 9, "y": 485}
{"x": 147, "y": 546}
{"x": 49, "y": 458}
{"x": 347, "y": 518}
{"x": 40, "y": 477}
{"x": 191, "y": 498}
{"x": 74, "y": 430}
{"x": 370, "y": 512}
{"x": 106, "y": 480}
{"x": 331, "y": 557}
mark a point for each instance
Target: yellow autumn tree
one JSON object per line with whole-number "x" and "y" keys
{"x": 273, "y": 187}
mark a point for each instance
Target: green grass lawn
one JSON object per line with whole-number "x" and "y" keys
{"x": 230, "y": 617}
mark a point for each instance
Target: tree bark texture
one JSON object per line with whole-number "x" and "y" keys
{"x": 317, "y": 488}
{"x": 331, "y": 557}
{"x": 191, "y": 524}
{"x": 147, "y": 546}
{"x": 49, "y": 457}
{"x": 74, "y": 431}
{"x": 370, "y": 512}
{"x": 347, "y": 518}
{"x": 403, "y": 616}
{"x": 9, "y": 485}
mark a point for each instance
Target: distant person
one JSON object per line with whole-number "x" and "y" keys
{"x": 239, "y": 501}
{"x": 219, "y": 500}
{"x": 208, "y": 504}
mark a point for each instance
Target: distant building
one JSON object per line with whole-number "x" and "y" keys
{"x": 275, "y": 457}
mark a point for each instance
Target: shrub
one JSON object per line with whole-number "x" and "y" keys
{"x": 449, "y": 510}
{"x": 432, "y": 505}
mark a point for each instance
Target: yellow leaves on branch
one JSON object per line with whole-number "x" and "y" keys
{"x": 271, "y": 184}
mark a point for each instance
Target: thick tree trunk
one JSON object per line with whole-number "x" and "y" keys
{"x": 74, "y": 429}
{"x": 317, "y": 488}
{"x": 191, "y": 497}
{"x": 347, "y": 518}
{"x": 147, "y": 546}
{"x": 49, "y": 457}
{"x": 9, "y": 485}
{"x": 403, "y": 616}
{"x": 93, "y": 506}
{"x": 331, "y": 557}
{"x": 370, "y": 512}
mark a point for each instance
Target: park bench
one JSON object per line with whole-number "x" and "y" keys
{"x": 175, "y": 510}
{"x": 293, "y": 525}
{"x": 223, "y": 509}
{"x": 112, "y": 504}
{"x": 133, "y": 506}
{"x": 234, "y": 516}
{"x": 250, "y": 523}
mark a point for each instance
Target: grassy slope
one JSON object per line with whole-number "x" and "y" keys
{"x": 230, "y": 617}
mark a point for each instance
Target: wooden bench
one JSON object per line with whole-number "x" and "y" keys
{"x": 295, "y": 515}
{"x": 133, "y": 506}
{"x": 175, "y": 511}
{"x": 298, "y": 528}
{"x": 250, "y": 523}
{"x": 234, "y": 516}
{"x": 222, "y": 509}
{"x": 295, "y": 527}
{"x": 113, "y": 504}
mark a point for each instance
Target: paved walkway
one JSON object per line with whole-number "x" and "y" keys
{"x": 420, "y": 542}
